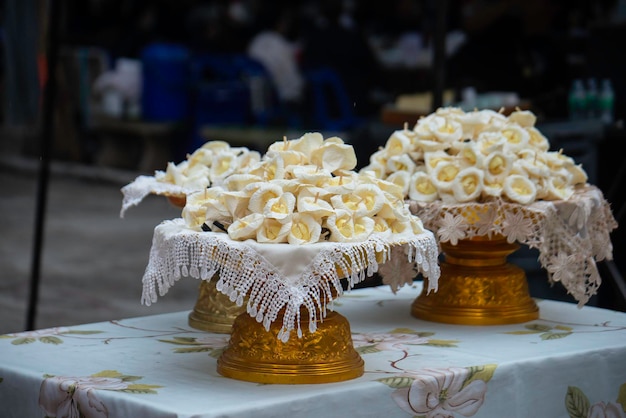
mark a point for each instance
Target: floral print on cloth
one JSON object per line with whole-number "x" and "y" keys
{"x": 578, "y": 405}
{"x": 441, "y": 393}
{"x": 46, "y": 336}
{"x": 213, "y": 344}
{"x": 76, "y": 396}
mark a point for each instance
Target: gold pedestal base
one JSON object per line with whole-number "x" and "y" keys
{"x": 478, "y": 287}
{"x": 214, "y": 312}
{"x": 257, "y": 355}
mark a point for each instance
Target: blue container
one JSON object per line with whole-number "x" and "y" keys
{"x": 166, "y": 82}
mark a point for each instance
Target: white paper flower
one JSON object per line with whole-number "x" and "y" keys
{"x": 236, "y": 202}
{"x": 558, "y": 188}
{"x": 309, "y": 174}
{"x": 497, "y": 166}
{"x": 469, "y": 155}
{"x": 402, "y": 179}
{"x": 516, "y": 137}
{"x": 346, "y": 228}
{"x": 398, "y": 143}
{"x": 400, "y": 163}
{"x": 280, "y": 208}
{"x": 366, "y": 200}
{"x": 444, "y": 174}
{"x": 246, "y": 227}
{"x": 519, "y": 189}
{"x": 334, "y": 155}
{"x": 273, "y": 231}
{"x": 524, "y": 118}
{"x": 223, "y": 165}
{"x": 262, "y": 195}
{"x": 343, "y": 182}
{"x": 432, "y": 159}
{"x": 311, "y": 200}
{"x": 537, "y": 140}
{"x": 305, "y": 229}
{"x": 421, "y": 188}
{"x": 237, "y": 182}
{"x": 468, "y": 184}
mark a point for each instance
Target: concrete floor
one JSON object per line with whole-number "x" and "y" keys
{"x": 93, "y": 260}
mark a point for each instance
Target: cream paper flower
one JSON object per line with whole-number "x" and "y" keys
{"x": 519, "y": 189}
{"x": 497, "y": 166}
{"x": 400, "y": 163}
{"x": 311, "y": 200}
{"x": 305, "y": 229}
{"x": 343, "y": 182}
{"x": 399, "y": 143}
{"x": 469, "y": 155}
{"x": 280, "y": 208}
{"x": 421, "y": 188}
{"x": 238, "y": 182}
{"x": 365, "y": 200}
{"x": 246, "y": 228}
{"x": 223, "y": 165}
{"x": 502, "y": 148}
{"x": 432, "y": 159}
{"x": 273, "y": 231}
{"x": 516, "y": 138}
{"x": 558, "y": 188}
{"x": 402, "y": 179}
{"x": 444, "y": 174}
{"x": 273, "y": 167}
{"x": 334, "y": 155}
{"x": 236, "y": 202}
{"x": 523, "y": 118}
{"x": 468, "y": 184}
{"x": 344, "y": 227}
{"x": 309, "y": 174}
{"x": 264, "y": 193}
{"x": 537, "y": 140}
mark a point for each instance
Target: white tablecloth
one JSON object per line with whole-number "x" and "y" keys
{"x": 570, "y": 362}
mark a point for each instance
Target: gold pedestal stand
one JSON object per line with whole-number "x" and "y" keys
{"x": 214, "y": 312}
{"x": 325, "y": 356}
{"x": 478, "y": 286}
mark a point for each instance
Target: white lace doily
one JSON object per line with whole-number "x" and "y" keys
{"x": 142, "y": 186}
{"x": 570, "y": 235}
{"x": 277, "y": 276}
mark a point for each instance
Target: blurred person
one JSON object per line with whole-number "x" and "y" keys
{"x": 275, "y": 47}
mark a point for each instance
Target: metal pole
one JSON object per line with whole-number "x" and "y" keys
{"x": 439, "y": 52}
{"x": 47, "y": 137}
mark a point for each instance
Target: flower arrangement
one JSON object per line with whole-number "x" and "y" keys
{"x": 458, "y": 157}
{"x": 208, "y": 165}
{"x": 301, "y": 191}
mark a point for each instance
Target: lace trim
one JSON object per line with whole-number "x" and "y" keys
{"x": 142, "y": 186}
{"x": 178, "y": 251}
{"x": 570, "y": 235}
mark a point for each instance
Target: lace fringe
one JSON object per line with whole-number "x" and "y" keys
{"x": 180, "y": 252}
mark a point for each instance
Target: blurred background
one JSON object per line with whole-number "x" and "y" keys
{"x": 135, "y": 84}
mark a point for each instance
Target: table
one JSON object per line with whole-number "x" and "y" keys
{"x": 570, "y": 362}
{"x": 114, "y": 134}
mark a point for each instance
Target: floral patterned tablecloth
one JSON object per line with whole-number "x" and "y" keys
{"x": 569, "y": 363}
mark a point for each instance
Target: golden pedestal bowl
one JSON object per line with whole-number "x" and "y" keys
{"x": 478, "y": 286}
{"x": 324, "y": 356}
{"x": 214, "y": 311}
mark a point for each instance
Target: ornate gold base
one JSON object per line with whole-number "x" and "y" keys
{"x": 214, "y": 312}
{"x": 325, "y": 356}
{"x": 478, "y": 287}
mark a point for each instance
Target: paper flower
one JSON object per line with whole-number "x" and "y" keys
{"x": 450, "y": 140}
